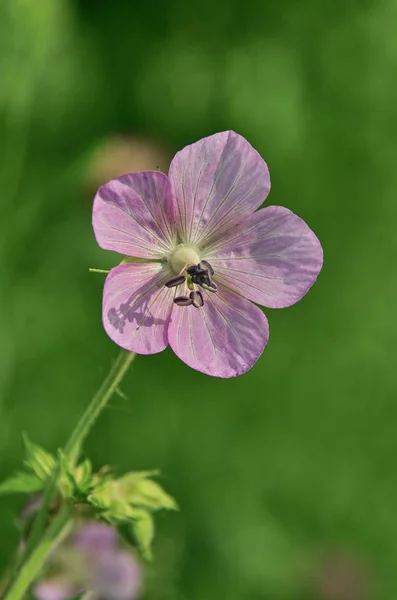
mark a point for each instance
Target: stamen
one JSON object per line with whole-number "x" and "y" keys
{"x": 204, "y": 264}
{"x": 174, "y": 281}
{"x": 211, "y": 288}
{"x": 183, "y": 300}
{"x": 200, "y": 274}
{"x": 194, "y": 270}
{"x": 197, "y": 299}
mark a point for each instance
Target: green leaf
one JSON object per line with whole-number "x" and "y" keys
{"x": 143, "y": 530}
{"x": 25, "y": 483}
{"x": 146, "y": 493}
{"x": 39, "y": 460}
{"x": 135, "y": 476}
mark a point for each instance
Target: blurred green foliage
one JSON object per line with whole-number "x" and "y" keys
{"x": 296, "y": 459}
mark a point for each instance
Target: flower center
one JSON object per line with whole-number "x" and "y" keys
{"x": 184, "y": 255}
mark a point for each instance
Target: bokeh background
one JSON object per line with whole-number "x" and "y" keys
{"x": 287, "y": 476}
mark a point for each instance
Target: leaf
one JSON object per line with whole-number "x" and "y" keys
{"x": 143, "y": 530}
{"x": 144, "y": 492}
{"x": 39, "y": 460}
{"x": 135, "y": 476}
{"x": 150, "y": 495}
{"x": 25, "y": 483}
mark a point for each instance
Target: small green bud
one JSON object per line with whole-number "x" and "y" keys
{"x": 146, "y": 493}
{"x": 143, "y": 530}
{"x": 106, "y": 497}
{"x": 39, "y": 460}
{"x": 127, "y": 502}
{"x": 83, "y": 474}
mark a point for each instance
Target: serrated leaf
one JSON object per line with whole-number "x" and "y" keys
{"x": 143, "y": 530}
{"x": 39, "y": 460}
{"x": 25, "y": 483}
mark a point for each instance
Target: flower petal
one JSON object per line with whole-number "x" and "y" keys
{"x": 224, "y": 338}
{"x": 54, "y": 589}
{"x": 137, "y": 306}
{"x": 116, "y": 576}
{"x": 273, "y": 258}
{"x": 96, "y": 537}
{"x": 216, "y": 182}
{"x": 133, "y": 215}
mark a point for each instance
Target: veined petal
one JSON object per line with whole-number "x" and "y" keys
{"x": 133, "y": 215}
{"x": 224, "y": 338}
{"x": 273, "y": 258}
{"x": 137, "y": 307}
{"x": 216, "y": 182}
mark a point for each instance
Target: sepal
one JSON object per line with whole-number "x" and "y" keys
{"x": 128, "y": 502}
{"x": 143, "y": 531}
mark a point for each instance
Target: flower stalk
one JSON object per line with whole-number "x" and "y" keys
{"x": 98, "y": 403}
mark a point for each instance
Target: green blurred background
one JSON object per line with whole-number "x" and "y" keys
{"x": 286, "y": 476}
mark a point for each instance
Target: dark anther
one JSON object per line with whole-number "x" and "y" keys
{"x": 211, "y": 288}
{"x": 197, "y": 299}
{"x": 183, "y": 301}
{"x": 196, "y": 270}
{"x": 206, "y": 265}
{"x": 201, "y": 275}
{"x": 174, "y": 281}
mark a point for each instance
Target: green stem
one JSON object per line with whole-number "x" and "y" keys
{"x": 72, "y": 450}
{"x": 98, "y": 403}
{"x": 57, "y": 531}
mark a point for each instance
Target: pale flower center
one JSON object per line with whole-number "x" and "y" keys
{"x": 184, "y": 255}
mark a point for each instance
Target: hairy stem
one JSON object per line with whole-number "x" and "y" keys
{"x": 98, "y": 403}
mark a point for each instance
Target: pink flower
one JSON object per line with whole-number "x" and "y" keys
{"x": 208, "y": 256}
{"x": 91, "y": 561}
